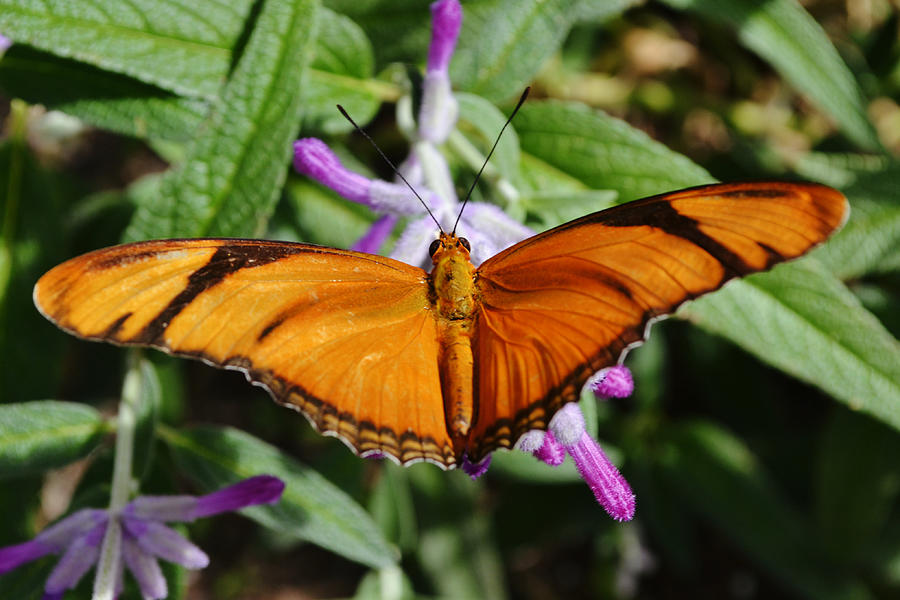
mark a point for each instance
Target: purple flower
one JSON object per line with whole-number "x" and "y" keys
{"x": 567, "y": 434}
{"x": 143, "y": 537}
{"x": 612, "y": 382}
{"x": 609, "y": 487}
{"x": 475, "y": 470}
{"x": 486, "y": 226}
{"x": 439, "y": 110}
{"x": 5, "y": 43}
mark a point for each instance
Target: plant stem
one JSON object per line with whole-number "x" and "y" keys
{"x": 108, "y": 567}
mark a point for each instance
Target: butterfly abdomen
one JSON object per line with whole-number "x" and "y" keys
{"x": 453, "y": 282}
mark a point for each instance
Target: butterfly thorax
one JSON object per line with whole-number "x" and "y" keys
{"x": 453, "y": 278}
{"x": 453, "y": 281}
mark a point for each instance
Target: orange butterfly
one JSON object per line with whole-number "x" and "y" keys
{"x": 459, "y": 361}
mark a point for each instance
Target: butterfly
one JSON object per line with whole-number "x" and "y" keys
{"x": 457, "y": 362}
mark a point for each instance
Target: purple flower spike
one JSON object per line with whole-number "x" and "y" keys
{"x": 446, "y": 20}
{"x": 439, "y": 110}
{"x": 609, "y": 487}
{"x": 145, "y": 569}
{"x": 158, "y": 540}
{"x": 613, "y": 382}
{"x": 475, "y": 470}
{"x": 567, "y": 424}
{"x": 77, "y": 560}
{"x": 262, "y": 489}
{"x": 5, "y": 42}
{"x": 373, "y": 239}
{"x": 54, "y": 539}
{"x": 551, "y": 451}
{"x": 13, "y": 556}
{"x": 316, "y": 160}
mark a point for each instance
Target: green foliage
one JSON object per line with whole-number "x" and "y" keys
{"x": 746, "y": 472}
{"x": 311, "y": 508}
{"x": 36, "y": 436}
{"x": 801, "y": 319}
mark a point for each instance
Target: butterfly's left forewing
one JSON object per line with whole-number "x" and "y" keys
{"x": 347, "y": 338}
{"x": 563, "y": 304}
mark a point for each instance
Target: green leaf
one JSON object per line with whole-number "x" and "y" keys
{"x": 602, "y": 152}
{"x": 598, "y": 12}
{"x": 521, "y": 465}
{"x": 101, "y": 98}
{"x": 721, "y": 479}
{"x": 398, "y": 29}
{"x": 340, "y": 73}
{"x": 785, "y": 35}
{"x": 556, "y": 208}
{"x": 802, "y": 320}
{"x": 500, "y": 50}
{"x": 182, "y": 47}
{"x": 311, "y": 508}
{"x": 857, "y": 488}
{"x": 230, "y": 182}
{"x": 480, "y": 122}
{"x": 36, "y": 436}
{"x": 866, "y": 244}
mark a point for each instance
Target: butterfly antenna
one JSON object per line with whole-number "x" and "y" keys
{"x": 391, "y": 165}
{"x": 494, "y": 147}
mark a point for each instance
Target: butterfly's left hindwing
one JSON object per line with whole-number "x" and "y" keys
{"x": 563, "y": 304}
{"x": 348, "y": 338}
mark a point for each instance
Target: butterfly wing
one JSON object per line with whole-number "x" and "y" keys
{"x": 347, "y": 338}
{"x": 563, "y": 304}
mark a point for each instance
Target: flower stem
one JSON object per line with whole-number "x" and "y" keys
{"x": 108, "y": 567}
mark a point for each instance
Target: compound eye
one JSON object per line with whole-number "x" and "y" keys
{"x": 434, "y": 247}
{"x": 465, "y": 244}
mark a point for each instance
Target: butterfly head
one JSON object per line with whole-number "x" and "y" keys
{"x": 448, "y": 244}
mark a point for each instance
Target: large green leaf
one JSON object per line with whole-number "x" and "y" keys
{"x": 41, "y": 435}
{"x": 311, "y": 508}
{"x": 784, "y": 34}
{"x": 229, "y": 184}
{"x": 398, "y": 29}
{"x": 500, "y": 50}
{"x": 181, "y": 46}
{"x": 801, "y": 319}
{"x": 101, "y": 98}
{"x": 602, "y": 152}
{"x": 721, "y": 479}
{"x": 340, "y": 73}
